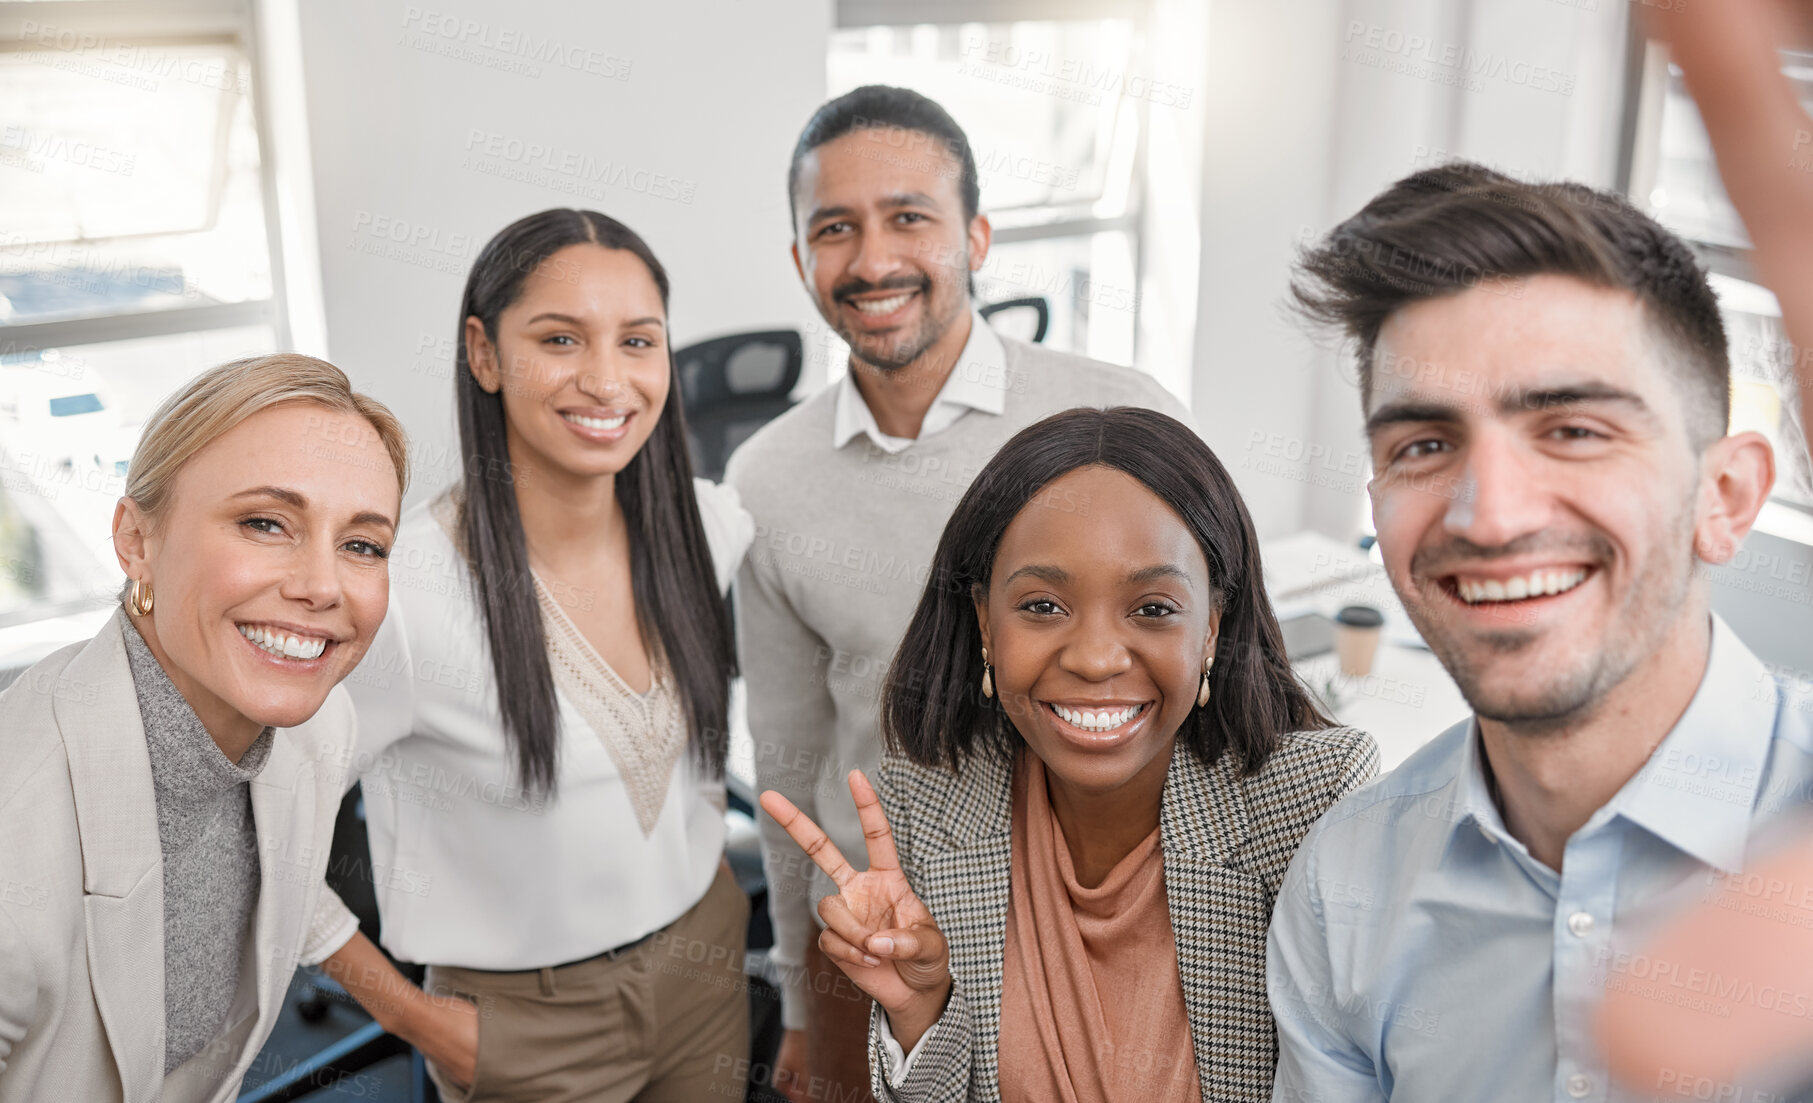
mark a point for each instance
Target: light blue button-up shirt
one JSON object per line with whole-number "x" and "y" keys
{"x": 1419, "y": 954}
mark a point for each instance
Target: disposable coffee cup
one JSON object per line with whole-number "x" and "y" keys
{"x": 1357, "y": 632}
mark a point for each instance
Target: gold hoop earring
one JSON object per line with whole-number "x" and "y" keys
{"x": 1202, "y": 695}
{"x": 988, "y": 677}
{"x": 141, "y": 598}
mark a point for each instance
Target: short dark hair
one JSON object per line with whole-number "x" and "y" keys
{"x": 1446, "y": 229}
{"x": 882, "y": 106}
{"x": 932, "y": 710}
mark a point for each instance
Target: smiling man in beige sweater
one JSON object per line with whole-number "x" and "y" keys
{"x": 850, "y": 492}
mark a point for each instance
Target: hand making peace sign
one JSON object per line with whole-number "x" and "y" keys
{"x": 876, "y": 929}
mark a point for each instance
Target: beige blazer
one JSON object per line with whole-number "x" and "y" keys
{"x": 82, "y": 890}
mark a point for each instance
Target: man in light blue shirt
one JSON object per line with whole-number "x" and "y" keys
{"x": 1546, "y": 382}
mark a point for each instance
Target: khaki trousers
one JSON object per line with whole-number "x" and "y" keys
{"x": 664, "y": 1021}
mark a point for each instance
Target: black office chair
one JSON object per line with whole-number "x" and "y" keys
{"x": 732, "y": 386}
{"x": 1010, "y": 310}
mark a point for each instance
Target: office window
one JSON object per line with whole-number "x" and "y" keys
{"x": 1674, "y": 176}
{"x": 136, "y": 249}
{"x": 1055, "y": 113}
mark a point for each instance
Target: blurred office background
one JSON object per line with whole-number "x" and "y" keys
{"x": 187, "y": 181}
{"x": 183, "y": 182}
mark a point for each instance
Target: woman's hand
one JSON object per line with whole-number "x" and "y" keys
{"x": 876, "y": 929}
{"x": 446, "y": 1031}
{"x": 443, "y": 1027}
{"x": 789, "y": 1077}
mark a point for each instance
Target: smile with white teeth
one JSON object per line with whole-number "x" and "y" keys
{"x": 596, "y": 422}
{"x": 1535, "y": 584}
{"x": 1097, "y": 720}
{"x": 284, "y": 646}
{"x": 878, "y": 307}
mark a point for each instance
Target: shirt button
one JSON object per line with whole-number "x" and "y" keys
{"x": 1579, "y": 1086}
{"x": 1582, "y": 925}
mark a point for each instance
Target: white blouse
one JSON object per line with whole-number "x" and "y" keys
{"x": 470, "y": 869}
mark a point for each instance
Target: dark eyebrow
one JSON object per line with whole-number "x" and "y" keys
{"x": 823, "y": 213}
{"x": 1510, "y": 401}
{"x": 1040, "y": 571}
{"x": 1058, "y": 575}
{"x": 1158, "y": 571}
{"x": 1571, "y": 394}
{"x": 897, "y": 199}
{"x": 552, "y": 316}
{"x": 1396, "y": 413}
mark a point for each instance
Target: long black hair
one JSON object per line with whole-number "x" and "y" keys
{"x": 678, "y": 607}
{"x": 932, "y": 708}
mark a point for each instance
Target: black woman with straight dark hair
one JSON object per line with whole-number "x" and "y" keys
{"x": 543, "y": 715}
{"x": 1099, "y": 764}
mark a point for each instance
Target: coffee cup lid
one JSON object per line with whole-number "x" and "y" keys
{"x": 1360, "y": 616}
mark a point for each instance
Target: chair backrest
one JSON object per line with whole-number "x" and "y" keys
{"x": 1041, "y": 309}
{"x": 732, "y": 386}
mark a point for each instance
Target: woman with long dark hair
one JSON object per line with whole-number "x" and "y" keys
{"x": 1099, "y": 764}
{"x": 543, "y": 716}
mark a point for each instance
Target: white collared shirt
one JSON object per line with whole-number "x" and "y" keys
{"x": 471, "y": 869}
{"x": 978, "y": 381}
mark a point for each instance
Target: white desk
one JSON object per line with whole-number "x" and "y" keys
{"x": 1408, "y": 699}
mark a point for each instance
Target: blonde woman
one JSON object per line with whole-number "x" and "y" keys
{"x": 168, "y": 788}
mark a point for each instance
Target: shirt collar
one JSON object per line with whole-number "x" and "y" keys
{"x": 977, "y": 381}
{"x": 1698, "y": 790}
{"x": 1473, "y": 798}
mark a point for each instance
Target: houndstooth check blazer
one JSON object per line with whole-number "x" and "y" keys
{"x": 1226, "y": 842}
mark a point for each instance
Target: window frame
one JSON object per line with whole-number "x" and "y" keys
{"x": 1646, "y": 82}
{"x": 169, "y": 24}
{"x": 182, "y": 23}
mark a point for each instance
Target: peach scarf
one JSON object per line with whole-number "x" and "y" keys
{"x": 1092, "y": 1009}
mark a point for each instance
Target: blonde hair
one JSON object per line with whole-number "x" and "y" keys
{"x": 215, "y": 401}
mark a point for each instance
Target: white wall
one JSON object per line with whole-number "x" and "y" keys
{"x": 675, "y": 117}
{"x": 1313, "y": 106}
{"x": 1300, "y": 122}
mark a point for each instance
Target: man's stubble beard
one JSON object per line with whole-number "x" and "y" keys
{"x": 932, "y": 328}
{"x": 1637, "y": 631}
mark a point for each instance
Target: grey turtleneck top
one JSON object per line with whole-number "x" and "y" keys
{"x": 210, "y": 845}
